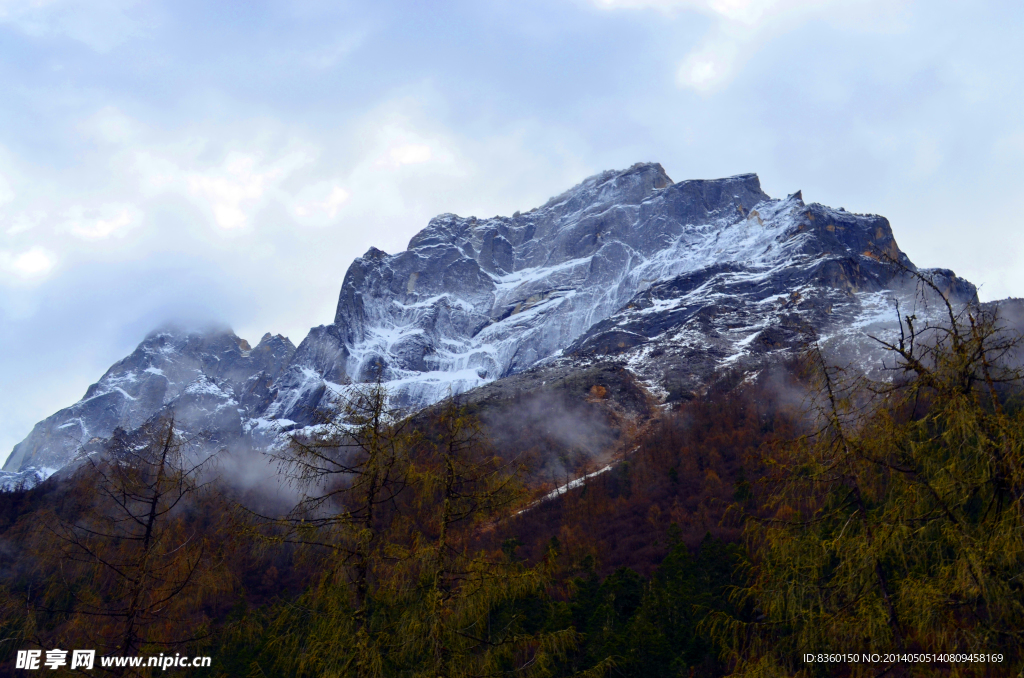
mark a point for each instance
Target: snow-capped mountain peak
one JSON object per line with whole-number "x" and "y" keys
{"x": 671, "y": 281}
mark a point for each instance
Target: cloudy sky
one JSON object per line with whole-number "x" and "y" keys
{"x": 226, "y": 161}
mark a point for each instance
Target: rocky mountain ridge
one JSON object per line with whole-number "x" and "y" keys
{"x": 669, "y": 282}
{"x": 210, "y": 380}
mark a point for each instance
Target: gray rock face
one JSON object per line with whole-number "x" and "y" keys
{"x": 623, "y": 267}
{"x": 670, "y": 282}
{"x": 784, "y": 275}
{"x": 212, "y": 381}
{"x": 474, "y": 300}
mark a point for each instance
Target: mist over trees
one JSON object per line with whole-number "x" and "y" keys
{"x": 809, "y": 510}
{"x": 897, "y": 526}
{"x": 120, "y": 559}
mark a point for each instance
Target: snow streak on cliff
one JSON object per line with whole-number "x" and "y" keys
{"x": 671, "y": 280}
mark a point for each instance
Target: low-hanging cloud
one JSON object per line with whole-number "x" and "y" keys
{"x": 254, "y": 226}
{"x": 164, "y": 161}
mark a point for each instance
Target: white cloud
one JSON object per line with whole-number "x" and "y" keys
{"x": 713, "y": 63}
{"x": 252, "y": 167}
{"x": 187, "y": 193}
{"x": 112, "y": 220}
{"x": 237, "y": 188}
{"x": 337, "y": 198}
{"x": 99, "y": 24}
{"x": 748, "y": 12}
{"x": 32, "y": 264}
{"x": 321, "y": 200}
{"x": 742, "y": 27}
{"x": 24, "y": 221}
{"x": 110, "y": 125}
{"x": 410, "y": 154}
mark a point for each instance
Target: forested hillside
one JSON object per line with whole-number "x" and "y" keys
{"x": 807, "y": 510}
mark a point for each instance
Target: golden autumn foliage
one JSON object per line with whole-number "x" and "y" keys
{"x": 729, "y": 536}
{"x": 897, "y": 526}
{"x": 126, "y": 562}
{"x": 409, "y": 581}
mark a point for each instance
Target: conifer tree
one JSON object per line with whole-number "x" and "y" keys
{"x": 351, "y": 469}
{"x": 457, "y": 594}
{"x": 410, "y": 583}
{"x": 898, "y": 526}
{"x": 131, "y": 567}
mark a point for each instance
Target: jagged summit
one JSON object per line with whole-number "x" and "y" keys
{"x": 206, "y": 377}
{"x": 473, "y": 300}
{"x": 668, "y": 281}
{"x": 638, "y": 181}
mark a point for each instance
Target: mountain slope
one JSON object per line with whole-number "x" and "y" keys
{"x": 668, "y": 283}
{"x": 210, "y": 380}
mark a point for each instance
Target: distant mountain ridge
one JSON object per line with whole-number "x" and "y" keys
{"x": 670, "y": 282}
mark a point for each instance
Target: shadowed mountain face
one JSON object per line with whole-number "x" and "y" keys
{"x": 627, "y": 273}
{"x": 210, "y": 381}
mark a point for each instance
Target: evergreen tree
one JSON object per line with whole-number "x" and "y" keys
{"x": 461, "y": 601}
{"x": 132, "y": 567}
{"x": 898, "y": 526}
{"x": 352, "y": 470}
